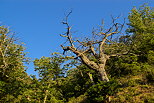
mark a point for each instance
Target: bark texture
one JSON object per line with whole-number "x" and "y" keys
{"x": 96, "y": 48}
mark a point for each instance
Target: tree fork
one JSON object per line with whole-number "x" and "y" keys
{"x": 97, "y": 48}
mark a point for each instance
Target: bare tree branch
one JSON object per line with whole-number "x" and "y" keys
{"x": 96, "y": 47}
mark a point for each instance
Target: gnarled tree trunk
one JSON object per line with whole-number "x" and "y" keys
{"x": 102, "y": 73}
{"x": 97, "y": 48}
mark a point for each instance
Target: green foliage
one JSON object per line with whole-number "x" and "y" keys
{"x": 63, "y": 80}
{"x": 49, "y": 67}
{"x": 80, "y": 99}
{"x": 51, "y": 74}
{"x": 136, "y": 94}
{"x": 124, "y": 65}
{"x": 11, "y": 56}
{"x": 141, "y": 20}
{"x": 150, "y": 57}
{"x": 100, "y": 91}
{"x": 77, "y": 82}
{"x": 142, "y": 26}
{"x": 12, "y": 71}
{"x": 150, "y": 75}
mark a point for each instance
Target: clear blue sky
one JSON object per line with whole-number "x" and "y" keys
{"x": 38, "y": 22}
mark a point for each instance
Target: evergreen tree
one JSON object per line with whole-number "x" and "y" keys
{"x": 13, "y": 77}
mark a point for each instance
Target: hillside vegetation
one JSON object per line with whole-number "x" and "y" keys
{"x": 113, "y": 67}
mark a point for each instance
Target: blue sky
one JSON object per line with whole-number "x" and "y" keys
{"x": 38, "y": 22}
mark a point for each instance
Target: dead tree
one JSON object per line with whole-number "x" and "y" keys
{"x": 101, "y": 49}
